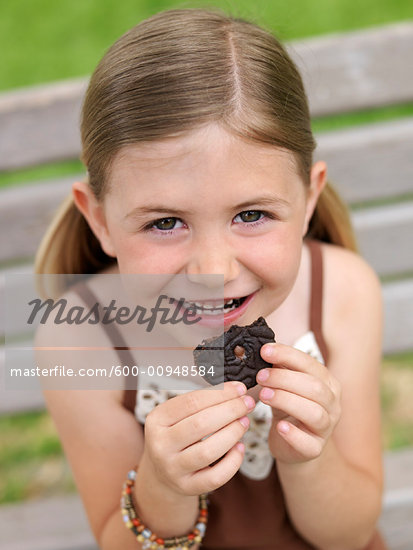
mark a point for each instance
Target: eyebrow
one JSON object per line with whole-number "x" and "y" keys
{"x": 159, "y": 208}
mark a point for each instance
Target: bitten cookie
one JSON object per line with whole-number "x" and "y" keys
{"x": 235, "y": 354}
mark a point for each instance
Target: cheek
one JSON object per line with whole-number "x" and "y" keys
{"x": 136, "y": 256}
{"x": 276, "y": 256}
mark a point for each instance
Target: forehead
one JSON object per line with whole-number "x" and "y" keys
{"x": 210, "y": 148}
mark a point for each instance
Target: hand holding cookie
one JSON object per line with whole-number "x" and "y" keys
{"x": 192, "y": 440}
{"x": 305, "y": 399}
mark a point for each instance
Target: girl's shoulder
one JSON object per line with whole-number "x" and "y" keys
{"x": 347, "y": 275}
{"x": 352, "y": 301}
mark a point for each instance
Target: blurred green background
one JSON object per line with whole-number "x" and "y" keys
{"x": 47, "y": 40}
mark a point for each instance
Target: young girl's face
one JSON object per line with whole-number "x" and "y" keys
{"x": 212, "y": 203}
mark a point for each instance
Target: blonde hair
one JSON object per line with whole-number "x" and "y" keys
{"x": 168, "y": 75}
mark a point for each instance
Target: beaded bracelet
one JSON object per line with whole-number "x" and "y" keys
{"x": 146, "y": 536}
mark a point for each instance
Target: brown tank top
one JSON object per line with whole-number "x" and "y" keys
{"x": 247, "y": 514}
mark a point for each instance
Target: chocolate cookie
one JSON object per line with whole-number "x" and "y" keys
{"x": 235, "y": 354}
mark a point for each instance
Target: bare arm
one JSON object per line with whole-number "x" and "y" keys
{"x": 329, "y": 460}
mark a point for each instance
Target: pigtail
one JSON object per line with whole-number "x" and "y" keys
{"x": 69, "y": 246}
{"x": 331, "y": 221}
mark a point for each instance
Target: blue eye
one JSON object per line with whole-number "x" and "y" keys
{"x": 249, "y": 216}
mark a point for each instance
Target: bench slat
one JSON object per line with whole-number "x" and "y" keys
{"x": 40, "y": 124}
{"x": 342, "y": 72}
{"x": 357, "y": 70}
{"x": 25, "y": 213}
{"x": 398, "y": 318}
{"x": 370, "y": 162}
{"x": 385, "y": 236}
{"x": 54, "y": 523}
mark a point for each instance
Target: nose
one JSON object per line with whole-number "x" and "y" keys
{"x": 212, "y": 263}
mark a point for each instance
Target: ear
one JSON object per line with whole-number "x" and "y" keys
{"x": 318, "y": 179}
{"x": 94, "y": 214}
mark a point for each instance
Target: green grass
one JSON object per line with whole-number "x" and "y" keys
{"x": 396, "y": 400}
{"x": 45, "y": 40}
{"x": 328, "y": 123}
{"x": 31, "y": 458}
{"x": 40, "y": 173}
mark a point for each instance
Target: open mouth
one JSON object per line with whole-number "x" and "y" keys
{"x": 214, "y": 307}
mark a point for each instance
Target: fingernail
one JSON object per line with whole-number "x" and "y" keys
{"x": 241, "y": 388}
{"x": 267, "y": 393}
{"x": 283, "y": 427}
{"x": 263, "y": 375}
{"x": 249, "y": 401}
{"x": 240, "y": 446}
{"x": 245, "y": 421}
{"x": 267, "y": 352}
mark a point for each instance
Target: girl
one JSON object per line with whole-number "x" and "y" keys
{"x": 197, "y": 141}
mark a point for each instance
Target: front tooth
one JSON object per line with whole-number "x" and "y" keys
{"x": 205, "y": 305}
{"x": 212, "y": 311}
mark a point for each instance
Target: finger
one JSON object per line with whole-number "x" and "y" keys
{"x": 207, "y": 451}
{"x": 310, "y": 414}
{"x": 210, "y": 420}
{"x": 210, "y": 478}
{"x": 299, "y": 383}
{"x": 294, "y": 359}
{"x": 307, "y": 446}
{"x": 182, "y": 406}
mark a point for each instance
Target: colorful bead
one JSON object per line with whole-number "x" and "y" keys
{"x": 149, "y": 539}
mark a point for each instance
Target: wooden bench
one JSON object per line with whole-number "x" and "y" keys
{"x": 371, "y": 165}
